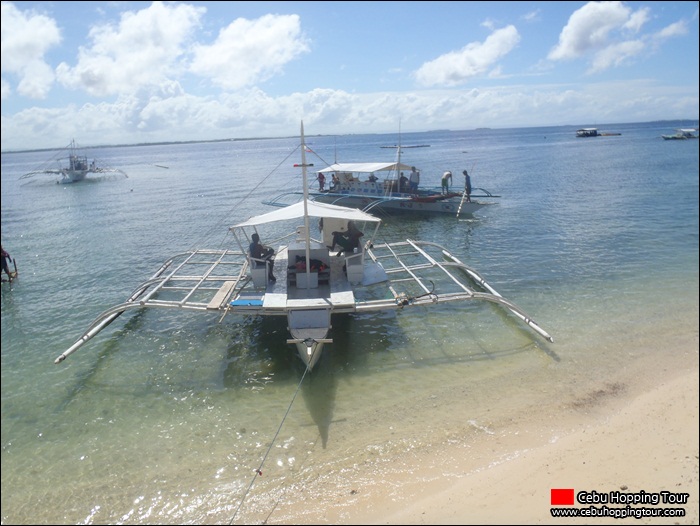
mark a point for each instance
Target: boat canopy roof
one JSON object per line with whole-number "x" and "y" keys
{"x": 314, "y": 208}
{"x": 365, "y": 167}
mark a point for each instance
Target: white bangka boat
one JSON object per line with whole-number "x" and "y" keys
{"x": 593, "y": 132}
{"x": 682, "y": 134}
{"x": 382, "y": 187}
{"x": 372, "y": 277}
{"x": 76, "y": 169}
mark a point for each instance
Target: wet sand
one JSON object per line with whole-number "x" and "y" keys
{"x": 642, "y": 440}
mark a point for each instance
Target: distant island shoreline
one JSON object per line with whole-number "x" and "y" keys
{"x": 166, "y": 143}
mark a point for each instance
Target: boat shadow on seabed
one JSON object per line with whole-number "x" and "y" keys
{"x": 266, "y": 359}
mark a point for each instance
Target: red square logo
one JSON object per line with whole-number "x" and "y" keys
{"x": 562, "y": 497}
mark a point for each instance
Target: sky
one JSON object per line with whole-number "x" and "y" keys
{"x": 111, "y": 73}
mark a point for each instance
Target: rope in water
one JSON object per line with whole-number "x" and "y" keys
{"x": 258, "y": 472}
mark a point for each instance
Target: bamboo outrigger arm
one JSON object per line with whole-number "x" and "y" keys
{"x": 108, "y": 316}
{"x": 495, "y": 297}
{"x": 100, "y": 323}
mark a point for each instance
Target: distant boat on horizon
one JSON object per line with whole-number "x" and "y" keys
{"x": 593, "y": 132}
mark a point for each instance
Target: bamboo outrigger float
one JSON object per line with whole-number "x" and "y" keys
{"x": 373, "y": 277}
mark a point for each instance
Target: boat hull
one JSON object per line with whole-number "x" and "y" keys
{"x": 309, "y": 330}
{"x": 427, "y": 206}
{"x": 309, "y": 354}
{"x": 73, "y": 176}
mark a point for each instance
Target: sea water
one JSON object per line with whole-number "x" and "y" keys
{"x": 167, "y": 417}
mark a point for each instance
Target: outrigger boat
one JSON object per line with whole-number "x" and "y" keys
{"x": 372, "y": 277}
{"x": 77, "y": 168}
{"x": 682, "y": 134}
{"x": 593, "y": 132}
{"x": 378, "y": 187}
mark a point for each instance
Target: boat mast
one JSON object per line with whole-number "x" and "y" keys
{"x": 398, "y": 155}
{"x": 389, "y": 190}
{"x": 306, "y": 209}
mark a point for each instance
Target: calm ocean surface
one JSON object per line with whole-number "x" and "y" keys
{"x": 164, "y": 417}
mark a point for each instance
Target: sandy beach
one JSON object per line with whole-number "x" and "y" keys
{"x": 642, "y": 441}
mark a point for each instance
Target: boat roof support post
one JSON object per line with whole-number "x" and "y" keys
{"x": 306, "y": 208}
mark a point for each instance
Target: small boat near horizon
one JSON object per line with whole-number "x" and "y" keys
{"x": 593, "y": 132}
{"x": 76, "y": 169}
{"x": 682, "y": 134}
{"x": 371, "y": 277}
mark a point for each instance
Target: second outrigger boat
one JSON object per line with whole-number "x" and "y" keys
{"x": 356, "y": 185}
{"x": 76, "y": 169}
{"x": 383, "y": 187}
{"x": 372, "y": 277}
{"x": 682, "y": 134}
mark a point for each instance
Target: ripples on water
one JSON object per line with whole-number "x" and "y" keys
{"x": 164, "y": 417}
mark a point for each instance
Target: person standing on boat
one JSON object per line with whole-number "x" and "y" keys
{"x": 5, "y": 263}
{"x": 467, "y": 186}
{"x": 414, "y": 180}
{"x": 446, "y": 180}
{"x": 335, "y": 182}
{"x": 321, "y": 181}
{"x": 348, "y": 241}
{"x": 258, "y": 252}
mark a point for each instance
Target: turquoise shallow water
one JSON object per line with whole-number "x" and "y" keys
{"x": 164, "y": 417}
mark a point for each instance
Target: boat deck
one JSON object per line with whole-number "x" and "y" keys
{"x": 394, "y": 276}
{"x": 333, "y": 290}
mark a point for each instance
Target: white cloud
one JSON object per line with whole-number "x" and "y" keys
{"x": 156, "y": 71}
{"x": 673, "y": 30}
{"x": 143, "y": 50}
{"x": 473, "y": 60}
{"x": 637, "y": 20}
{"x": 247, "y": 52}
{"x": 172, "y": 115}
{"x": 588, "y": 29}
{"x": 616, "y": 55}
{"x": 26, "y": 37}
{"x": 600, "y": 29}
{"x": 532, "y": 16}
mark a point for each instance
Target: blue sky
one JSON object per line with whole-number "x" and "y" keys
{"x": 132, "y": 72}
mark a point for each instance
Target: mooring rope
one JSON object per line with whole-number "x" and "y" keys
{"x": 258, "y": 472}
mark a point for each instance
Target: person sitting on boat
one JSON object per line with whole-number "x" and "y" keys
{"x": 372, "y": 178}
{"x": 335, "y": 181}
{"x": 403, "y": 183}
{"x": 258, "y": 252}
{"x": 467, "y": 186}
{"x": 414, "y": 180}
{"x": 348, "y": 241}
{"x": 446, "y": 180}
{"x": 5, "y": 265}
